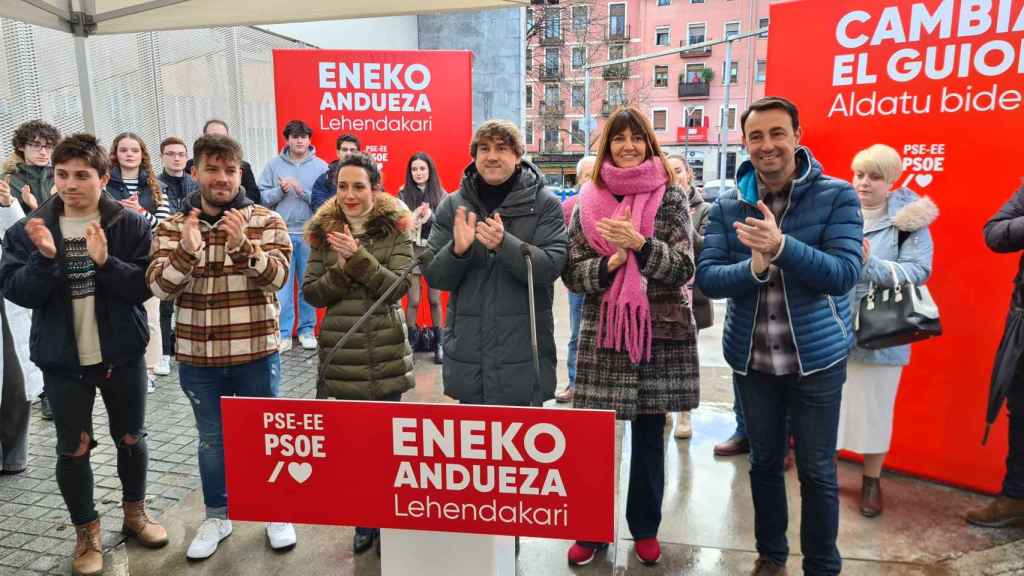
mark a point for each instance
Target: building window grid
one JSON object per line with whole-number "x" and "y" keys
{"x": 661, "y": 76}
{"x": 663, "y": 36}
{"x": 734, "y": 75}
{"x": 579, "y": 57}
{"x": 578, "y": 95}
{"x": 732, "y": 117}
{"x": 732, "y": 28}
{"x": 580, "y": 18}
{"x": 762, "y": 71}
{"x": 659, "y": 118}
{"x": 697, "y": 33}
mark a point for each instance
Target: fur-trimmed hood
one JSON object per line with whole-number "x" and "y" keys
{"x": 910, "y": 212}
{"x": 389, "y": 215}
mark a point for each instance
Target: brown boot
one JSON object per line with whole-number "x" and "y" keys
{"x": 88, "y": 558}
{"x": 1002, "y": 511}
{"x": 139, "y": 524}
{"x": 871, "y": 497}
{"x": 765, "y": 567}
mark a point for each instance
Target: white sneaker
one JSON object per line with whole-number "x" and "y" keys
{"x": 210, "y": 533}
{"x": 163, "y": 368}
{"x": 281, "y": 535}
{"x": 308, "y": 341}
{"x": 150, "y": 384}
{"x": 286, "y": 345}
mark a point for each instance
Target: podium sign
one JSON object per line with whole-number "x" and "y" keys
{"x": 435, "y": 467}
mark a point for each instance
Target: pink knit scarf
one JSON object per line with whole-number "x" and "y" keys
{"x": 625, "y": 311}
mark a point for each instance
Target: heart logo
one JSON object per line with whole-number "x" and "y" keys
{"x": 300, "y": 472}
{"x": 924, "y": 180}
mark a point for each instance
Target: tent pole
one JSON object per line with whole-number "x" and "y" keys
{"x": 82, "y": 24}
{"x": 85, "y": 83}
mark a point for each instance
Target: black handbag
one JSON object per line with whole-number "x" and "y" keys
{"x": 890, "y": 317}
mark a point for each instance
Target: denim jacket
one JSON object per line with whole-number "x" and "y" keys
{"x": 909, "y": 213}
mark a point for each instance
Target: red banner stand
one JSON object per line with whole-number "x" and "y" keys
{"x": 446, "y": 471}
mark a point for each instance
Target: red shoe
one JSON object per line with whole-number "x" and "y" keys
{"x": 648, "y": 551}
{"x": 581, "y": 554}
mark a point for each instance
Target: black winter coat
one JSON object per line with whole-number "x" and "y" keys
{"x": 1004, "y": 233}
{"x": 487, "y": 351}
{"x": 33, "y": 281}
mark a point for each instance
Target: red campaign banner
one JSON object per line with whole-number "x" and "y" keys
{"x": 397, "y": 102}
{"x": 941, "y": 82}
{"x": 435, "y": 467}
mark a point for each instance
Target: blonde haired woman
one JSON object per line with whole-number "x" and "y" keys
{"x": 896, "y": 235}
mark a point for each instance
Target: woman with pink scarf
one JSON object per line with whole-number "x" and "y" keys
{"x": 630, "y": 256}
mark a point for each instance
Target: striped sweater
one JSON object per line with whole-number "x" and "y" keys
{"x": 227, "y": 304}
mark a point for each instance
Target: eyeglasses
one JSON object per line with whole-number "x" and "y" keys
{"x": 39, "y": 146}
{"x": 176, "y": 154}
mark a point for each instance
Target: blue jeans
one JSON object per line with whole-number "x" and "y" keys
{"x": 575, "y": 315}
{"x": 307, "y": 314}
{"x": 812, "y": 406}
{"x": 204, "y": 388}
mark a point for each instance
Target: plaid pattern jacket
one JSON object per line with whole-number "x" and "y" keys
{"x": 227, "y": 304}
{"x": 606, "y": 378}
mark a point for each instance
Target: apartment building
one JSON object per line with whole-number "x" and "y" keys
{"x": 683, "y": 93}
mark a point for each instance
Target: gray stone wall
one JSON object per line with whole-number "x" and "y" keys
{"x": 496, "y": 39}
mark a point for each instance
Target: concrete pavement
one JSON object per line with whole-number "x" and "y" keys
{"x": 707, "y": 527}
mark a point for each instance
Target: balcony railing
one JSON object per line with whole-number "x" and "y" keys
{"x": 608, "y": 107}
{"x": 552, "y": 147}
{"x": 550, "y": 73}
{"x": 696, "y": 52}
{"x": 694, "y": 89}
{"x": 552, "y": 109}
{"x": 552, "y": 39}
{"x": 617, "y": 33}
{"x": 616, "y": 72}
{"x": 692, "y": 133}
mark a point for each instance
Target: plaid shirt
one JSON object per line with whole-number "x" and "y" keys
{"x": 227, "y": 308}
{"x": 773, "y": 350}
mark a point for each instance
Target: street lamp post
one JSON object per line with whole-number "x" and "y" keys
{"x": 723, "y": 138}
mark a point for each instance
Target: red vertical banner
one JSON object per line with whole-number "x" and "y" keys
{"x": 397, "y": 102}
{"x": 940, "y": 81}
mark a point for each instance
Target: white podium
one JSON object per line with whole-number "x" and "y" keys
{"x": 405, "y": 552}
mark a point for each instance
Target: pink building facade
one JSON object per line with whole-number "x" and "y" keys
{"x": 561, "y": 39}
{"x": 686, "y": 92}
{"x": 682, "y": 94}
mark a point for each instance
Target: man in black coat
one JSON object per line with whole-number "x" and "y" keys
{"x": 80, "y": 265}
{"x": 479, "y": 234}
{"x": 1004, "y": 233}
{"x": 219, "y": 127}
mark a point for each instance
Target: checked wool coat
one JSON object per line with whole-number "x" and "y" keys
{"x": 606, "y": 378}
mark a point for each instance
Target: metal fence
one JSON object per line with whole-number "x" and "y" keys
{"x": 156, "y": 84}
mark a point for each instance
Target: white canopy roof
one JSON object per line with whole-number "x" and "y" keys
{"x": 120, "y": 16}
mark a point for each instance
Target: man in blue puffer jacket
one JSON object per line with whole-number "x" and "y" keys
{"x": 785, "y": 250}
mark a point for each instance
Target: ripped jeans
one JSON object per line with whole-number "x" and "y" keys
{"x": 204, "y": 388}
{"x": 72, "y": 396}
